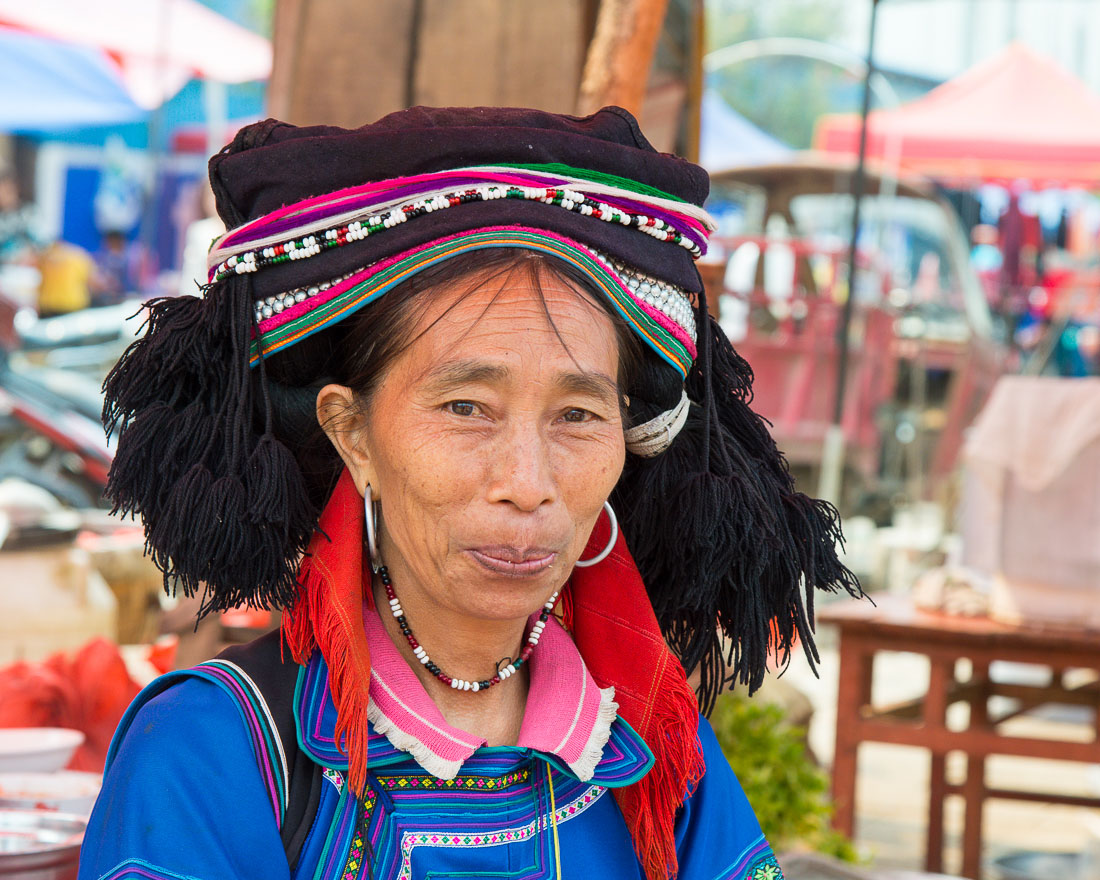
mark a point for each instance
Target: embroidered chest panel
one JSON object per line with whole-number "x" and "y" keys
{"x": 499, "y": 819}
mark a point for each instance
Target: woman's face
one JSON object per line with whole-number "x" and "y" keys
{"x": 492, "y": 442}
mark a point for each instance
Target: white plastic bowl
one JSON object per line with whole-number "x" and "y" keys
{"x": 66, "y": 791}
{"x": 37, "y": 749}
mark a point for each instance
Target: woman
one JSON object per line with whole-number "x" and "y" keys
{"x": 475, "y": 343}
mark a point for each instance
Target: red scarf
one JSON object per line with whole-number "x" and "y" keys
{"x": 605, "y": 607}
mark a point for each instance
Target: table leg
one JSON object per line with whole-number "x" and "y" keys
{"x": 853, "y": 679}
{"x": 937, "y": 792}
{"x": 941, "y": 674}
{"x": 1096, "y": 716}
{"x": 974, "y": 787}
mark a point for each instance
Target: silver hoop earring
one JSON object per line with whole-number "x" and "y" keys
{"x": 369, "y": 516}
{"x": 603, "y": 554}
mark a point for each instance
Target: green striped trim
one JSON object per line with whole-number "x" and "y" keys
{"x": 363, "y": 293}
{"x": 588, "y": 174}
{"x": 338, "y": 840}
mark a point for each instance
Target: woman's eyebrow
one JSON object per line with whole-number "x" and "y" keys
{"x": 467, "y": 372}
{"x": 455, "y": 374}
{"x": 594, "y": 384}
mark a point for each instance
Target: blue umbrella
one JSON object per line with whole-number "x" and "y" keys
{"x": 47, "y": 85}
{"x": 728, "y": 140}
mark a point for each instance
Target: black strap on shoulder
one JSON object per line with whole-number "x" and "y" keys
{"x": 275, "y": 675}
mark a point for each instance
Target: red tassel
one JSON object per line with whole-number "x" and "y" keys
{"x": 618, "y": 636}
{"x": 650, "y": 805}
{"x": 328, "y": 615}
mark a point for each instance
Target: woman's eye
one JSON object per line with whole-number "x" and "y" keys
{"x": 577, "y": 415}
{"x": 461, "y": 408}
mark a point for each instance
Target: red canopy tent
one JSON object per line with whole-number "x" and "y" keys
{"x": 1017, "y": 116}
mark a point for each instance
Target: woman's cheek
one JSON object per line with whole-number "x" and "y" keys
{"x": 594, "y": 462}
{"x": 441, "y": 466}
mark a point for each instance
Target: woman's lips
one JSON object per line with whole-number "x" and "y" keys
{"x": 513, "y": 561}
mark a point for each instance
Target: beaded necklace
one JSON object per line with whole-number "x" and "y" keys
{"x": 458, "y": 683}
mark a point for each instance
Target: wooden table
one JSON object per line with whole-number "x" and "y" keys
{"x": 893, "y": 624}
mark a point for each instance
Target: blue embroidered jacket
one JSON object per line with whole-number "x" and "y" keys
{"x": 197, "y": 788}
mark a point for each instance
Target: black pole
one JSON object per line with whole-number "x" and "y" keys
{"x": 859, "y": 183}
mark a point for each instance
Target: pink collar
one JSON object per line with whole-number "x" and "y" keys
{"x": 567, "y": 715}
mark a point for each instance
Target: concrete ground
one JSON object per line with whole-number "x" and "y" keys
{"x": 892, "y": 787}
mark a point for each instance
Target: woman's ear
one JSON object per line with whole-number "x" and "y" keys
{"x": 345, "y": 425}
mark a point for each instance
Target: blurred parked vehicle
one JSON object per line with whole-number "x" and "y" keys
{"x": 89, "y": 340}
{"x": 51, "y": 370}
{"x": 51, "y": 437}
{"x": 925, "y": 348}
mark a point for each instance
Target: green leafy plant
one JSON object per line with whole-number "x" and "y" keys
{"x": 787, "y": 790}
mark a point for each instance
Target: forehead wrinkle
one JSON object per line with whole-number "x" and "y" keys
{"x": 454, "y": 373}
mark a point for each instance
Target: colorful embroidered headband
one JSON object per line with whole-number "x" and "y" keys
{"x": 659, "y": 312}
{"x": 660, "y": 315}
{"x": 317, "y": 224}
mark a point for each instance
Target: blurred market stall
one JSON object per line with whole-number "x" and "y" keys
{"x": 161, "y": 46}
{"x": 1016, "y": 117}
{"x": 61, "y": 85}
{"x": 923, "y": 343}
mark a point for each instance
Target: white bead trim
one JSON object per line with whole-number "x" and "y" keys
{"x": 274, "y": 305}
{"x": 668, "y": 299}
{"x": 247, "y": 259}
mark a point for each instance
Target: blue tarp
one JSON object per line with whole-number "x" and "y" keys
{"x": 729, "y": 140}
{"x": 47, "y": 85}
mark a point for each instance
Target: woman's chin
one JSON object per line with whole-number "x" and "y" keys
{"x": 493, "y": 595}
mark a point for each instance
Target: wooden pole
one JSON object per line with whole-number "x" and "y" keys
{"x": 285, "y": 45}
{"x": 693, "y": 112}
{"x": 616, "y": 70}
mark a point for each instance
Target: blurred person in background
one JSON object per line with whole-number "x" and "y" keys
{"x": 68, "y": 276}
{"x": 987, "y": 260}
{"x": 17, "y": 234}
{"x": 1060, "y": 325}
{"x": 122, "y": 269}
{"x": 197, "y": 239}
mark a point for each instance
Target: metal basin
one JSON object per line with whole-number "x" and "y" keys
{"x": 38, "y": 845}
{"x": 1040, "y": 866}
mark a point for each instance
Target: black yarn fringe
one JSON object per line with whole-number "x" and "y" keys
{"x": 225, "y": 509}
{"x": 719, "y": 533}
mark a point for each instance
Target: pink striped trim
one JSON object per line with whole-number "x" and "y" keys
{"x": 467, "y": 176}
{"x": 308, "y": 305}
{"x": 351, "y": 192}
{"x": 664, "y": 320}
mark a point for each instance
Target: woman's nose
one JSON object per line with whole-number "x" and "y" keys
{"x": 522, "y": 471}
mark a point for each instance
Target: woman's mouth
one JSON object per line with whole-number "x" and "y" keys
{"x": 513, "y": 560}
